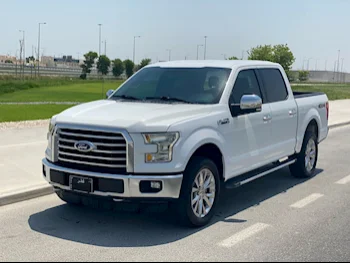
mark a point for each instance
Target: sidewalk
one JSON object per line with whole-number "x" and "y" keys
{"x": 22, "y": 149}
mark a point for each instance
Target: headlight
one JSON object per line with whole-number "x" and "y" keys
{"x": 165, "y": 143}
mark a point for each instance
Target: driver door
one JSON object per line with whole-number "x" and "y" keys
{"x": 250, "y": 138}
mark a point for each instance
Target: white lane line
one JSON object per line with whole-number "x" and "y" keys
{"x": 306, "y": 201}
{"x": 22, "y": 144}
{"x": 243, "y": 235}
{"x": 344, "y": 180}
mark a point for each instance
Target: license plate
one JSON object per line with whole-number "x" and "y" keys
{"x": 81, "y": 184}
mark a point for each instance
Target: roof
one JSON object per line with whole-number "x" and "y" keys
{"x": 212, "y": 63}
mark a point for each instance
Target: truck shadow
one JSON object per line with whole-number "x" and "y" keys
{"x": 111, "y": 229}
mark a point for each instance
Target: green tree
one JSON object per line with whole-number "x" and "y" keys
{"x": 283, "y": 56}
{"x": 264, "y": 53}
{"x": 103, "y": 65}
{"x": 8, "y": 61}
{"x": 88, "y": 63}
{"x": 233, "y": 58}
{"x": 30, "y": 59}
{"x": 304, "y": 75}
{"x": 129, "y": 67}
{"x": 280, "y": 54}
{"x": 145, "y": 62}
{"x": 118, "y": 67}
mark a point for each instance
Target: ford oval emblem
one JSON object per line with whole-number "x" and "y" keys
{"x": 84, "y": 146}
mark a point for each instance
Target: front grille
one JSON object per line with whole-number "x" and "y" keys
{"x": 110, "y": 150}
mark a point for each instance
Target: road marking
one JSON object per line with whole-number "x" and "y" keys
{"x": 344, "y": 180}
{"x": 243, "y": 235}
{"x": 22, "y": 144}
{"x": 306, "y": 201}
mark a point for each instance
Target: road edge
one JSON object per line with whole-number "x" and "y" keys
{"x": 25, "y": 195}
{"x": 47, "y": 190}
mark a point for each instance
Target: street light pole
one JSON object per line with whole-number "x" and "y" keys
{"x": 224, "y": 55}
{"x": 338, "y": 64}
{"x": 243, "y": 54}
{"x": 308, "y": 63}
{"x": 133, "y": 60}
{"x": 39, "y": 49}
{"x": 169, "y": 50}
{"x": 205, "y": 47}
{"x": 99, "y": 42}
{"x": 198, "y": 46}
{"x": 342, "y": 65}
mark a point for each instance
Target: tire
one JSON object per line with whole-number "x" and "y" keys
{"x": 300, "y": 169}
{"x": 69, "y": 198}
{"x": 185, "y": 212}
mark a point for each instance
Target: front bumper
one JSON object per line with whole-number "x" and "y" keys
{"x": 171, "y": 185}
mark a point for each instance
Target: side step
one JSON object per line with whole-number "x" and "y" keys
{"x": 256, "y": 174}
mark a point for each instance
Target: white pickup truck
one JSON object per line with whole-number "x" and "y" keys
{"x": 180, "y": 131}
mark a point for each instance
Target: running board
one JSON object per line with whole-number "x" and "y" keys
{"x": 256, "y": 174}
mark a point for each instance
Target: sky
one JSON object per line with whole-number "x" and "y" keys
{"x": 314, "y": 29}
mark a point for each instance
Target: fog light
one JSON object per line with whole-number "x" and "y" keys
{"x": 151, "y": 187}
{"x": 156, "y": 185}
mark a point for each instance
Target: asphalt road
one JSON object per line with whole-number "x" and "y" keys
{"x": 277, "y": 218}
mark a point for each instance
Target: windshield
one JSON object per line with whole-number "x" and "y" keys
{"x": 181, "y": 85}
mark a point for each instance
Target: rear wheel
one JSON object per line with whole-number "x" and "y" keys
{"x": 200, "y": 192}
{"x": 305, "y": 165}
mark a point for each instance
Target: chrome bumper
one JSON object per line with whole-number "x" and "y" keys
{"x": 170, "y": 189}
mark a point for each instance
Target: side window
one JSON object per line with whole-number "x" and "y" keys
{"x": 246, "y": 84}
{"x": 274, "y": 85}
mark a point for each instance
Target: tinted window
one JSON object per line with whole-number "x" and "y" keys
{"x": 194, "y": 85}
{"x": 246, "y": 84}
{"x": 274, "y": 85}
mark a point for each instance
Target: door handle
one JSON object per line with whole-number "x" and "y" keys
{"x": 267, "y": 118}
{"x": 292, "y": 113}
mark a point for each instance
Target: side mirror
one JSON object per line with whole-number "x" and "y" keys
{"x": 251, "y": 103}
{"x": 109, "y": 93}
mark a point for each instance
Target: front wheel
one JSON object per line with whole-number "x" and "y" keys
{"x": 200, "y": 193}
{"x": 305, "y": 166}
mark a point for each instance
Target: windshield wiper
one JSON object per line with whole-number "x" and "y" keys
{"x": 165, "y": 98}
{"x": 126, "y": 97}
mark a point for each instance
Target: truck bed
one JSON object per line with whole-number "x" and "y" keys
{"x": 300, "y": 95}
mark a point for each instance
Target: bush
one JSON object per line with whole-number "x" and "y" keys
{"x": 304, "y": 75}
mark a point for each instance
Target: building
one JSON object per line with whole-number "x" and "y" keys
{"x": 4, "y": 58}
{"x": 67, "y": 62}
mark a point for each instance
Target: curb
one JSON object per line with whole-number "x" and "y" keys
{"x": 24, "y": 195}
{"x": 47, "y": 190}
{"x": 339, "y": 125}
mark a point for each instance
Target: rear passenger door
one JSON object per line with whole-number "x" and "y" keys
{"x": 283, "y": 112}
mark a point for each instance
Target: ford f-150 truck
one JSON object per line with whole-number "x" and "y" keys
{"x": 181, "y": 131}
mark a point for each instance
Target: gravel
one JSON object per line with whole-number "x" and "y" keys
{"x": 24, "y": 124}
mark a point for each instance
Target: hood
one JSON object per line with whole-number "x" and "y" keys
{"x": 132, "y": 116}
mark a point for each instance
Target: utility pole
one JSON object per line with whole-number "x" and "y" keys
{"x": 205, "y": 47}
{"x": 243, "y": 54}
{"x": 105, "y": 47}
{"x": 24, "y": 50}
{"x": 325, "y": 67}
{"x": 224, "y": 55}
{"x": 316, "y": 64}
